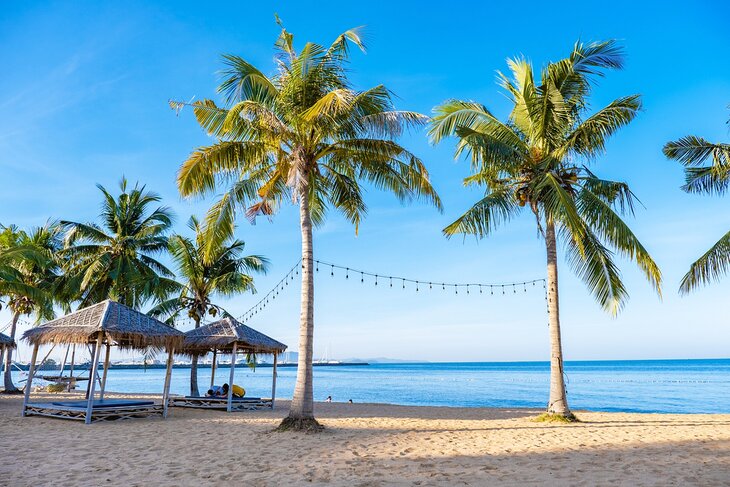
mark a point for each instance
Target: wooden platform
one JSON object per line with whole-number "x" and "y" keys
{"x": 98, "y": 414}
{"x": 221, "y": 403}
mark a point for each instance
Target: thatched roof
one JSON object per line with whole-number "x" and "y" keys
{"x": 6, "y": 341}
{"x": 121, "y": 325}
{"x": 222, "y": 334}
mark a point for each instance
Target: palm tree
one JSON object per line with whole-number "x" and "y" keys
{"x": 29, "y": 277}
{"x": 536, "y": 160}
{"x": 302, "y": 135}
{"x": 115, "y": 259}
{"x": 693, "y": 153}
{"x": 222, "y": 271}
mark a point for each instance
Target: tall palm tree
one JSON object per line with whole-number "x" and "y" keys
{"x": 29, "y": 277}
{"x": 694, "y": 153}
{"x": 116, "y": 258}
{"x": 536, "y": 159}
{"x": 207, "y": 270}
{"x": 302, "y": 135}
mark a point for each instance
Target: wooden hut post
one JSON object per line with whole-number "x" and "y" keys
{"x": 273, "y": 381}
{"x": 29, "y": 383}
{"x": 212, "y": 368}
{"x": 71, "y": 380}
{"x": 106, "y": 369}
{"x": 166, "y": 391}
{"x": 63, "y": 364}
{"x": 92, "y": 352}
{"x": 92, "y": 376}
{"x": 230, "y": 381}
{"x": 2, "y": 355}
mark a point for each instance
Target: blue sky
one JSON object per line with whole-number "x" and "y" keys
{"x": 83, "y": 99}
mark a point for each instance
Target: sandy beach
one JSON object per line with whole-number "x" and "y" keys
{"x": 366, "y": 445}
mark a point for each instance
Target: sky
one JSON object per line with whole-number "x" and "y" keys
{"x": 84, "y": 100}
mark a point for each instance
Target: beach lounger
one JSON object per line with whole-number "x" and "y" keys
{"x": 220, "y": 403}
{"x": 102, "y": 410}
{"x": 104, "y": 403}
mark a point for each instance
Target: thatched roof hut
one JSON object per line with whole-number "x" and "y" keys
{"x": 222, "y": 334}
{"x": 107, "y": 323}
{"x": 6, "y": 341}
{"x": 229, "y": 336}
{"x": 126, "y": 327}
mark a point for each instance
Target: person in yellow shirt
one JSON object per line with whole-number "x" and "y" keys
{"x": 238, "y": 391}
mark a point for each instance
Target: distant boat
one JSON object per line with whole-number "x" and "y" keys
{"x": 325, "y": 360}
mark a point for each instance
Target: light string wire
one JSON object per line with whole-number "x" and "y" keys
{"x": 389, "y": 280}
{"x": 271, "y": 295}
{"x": 480, "y": 286}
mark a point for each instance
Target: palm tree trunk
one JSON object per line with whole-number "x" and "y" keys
{"x": 9, "y": 386}
{"x": 301, "y": 412}
{"x": 194, "y": 391}
{"x": 558, "y": 403}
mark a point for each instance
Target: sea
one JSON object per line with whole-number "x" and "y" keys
{"x": 650, "y": 386}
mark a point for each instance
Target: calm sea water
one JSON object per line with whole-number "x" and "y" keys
{"x": 666, "y": 386}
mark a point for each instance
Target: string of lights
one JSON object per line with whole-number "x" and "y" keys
{"x": 272, "y": 294}
{"x": 390, "y": 281}
{"x": 377, "y": 279}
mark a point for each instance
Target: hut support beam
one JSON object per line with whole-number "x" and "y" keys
{"x": 63, "y": 364}
{"x": 230, "y": 381}
{"x": 212, "y": 368}
{"x": 273, "y": 381}
{"x": 106, "y": 369}
{"x": 166, "y": 391}
{"x": 92, "y": 379}
{"x": 71, "y": 383}
{"x": 29, "y": 384}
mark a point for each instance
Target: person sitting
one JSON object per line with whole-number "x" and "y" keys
{"x": 329, "y": 399}
{"x": 214, "y": 391}
{"x": 237, "y": 391}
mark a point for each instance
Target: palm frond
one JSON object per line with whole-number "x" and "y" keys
{"x": 709, "y": 268}
{"x": 612, "y": 229}
{"x": 494, "y": 209}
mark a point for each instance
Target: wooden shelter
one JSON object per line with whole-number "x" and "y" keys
{"x": 228, "y": 336}
{"x": 107, "y": 323}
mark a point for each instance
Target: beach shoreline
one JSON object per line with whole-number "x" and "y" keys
{"x": 366, "y": 444}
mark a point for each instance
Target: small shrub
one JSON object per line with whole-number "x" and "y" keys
{"x": 56, "y": 387}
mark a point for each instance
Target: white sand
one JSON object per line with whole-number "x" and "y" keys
{"x": 366, "y": 445}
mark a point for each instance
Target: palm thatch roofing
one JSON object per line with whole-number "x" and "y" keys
{"x": 120, "y": 325}
{"x": 6, "y": 341}
{"x": 222, "y": 334}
